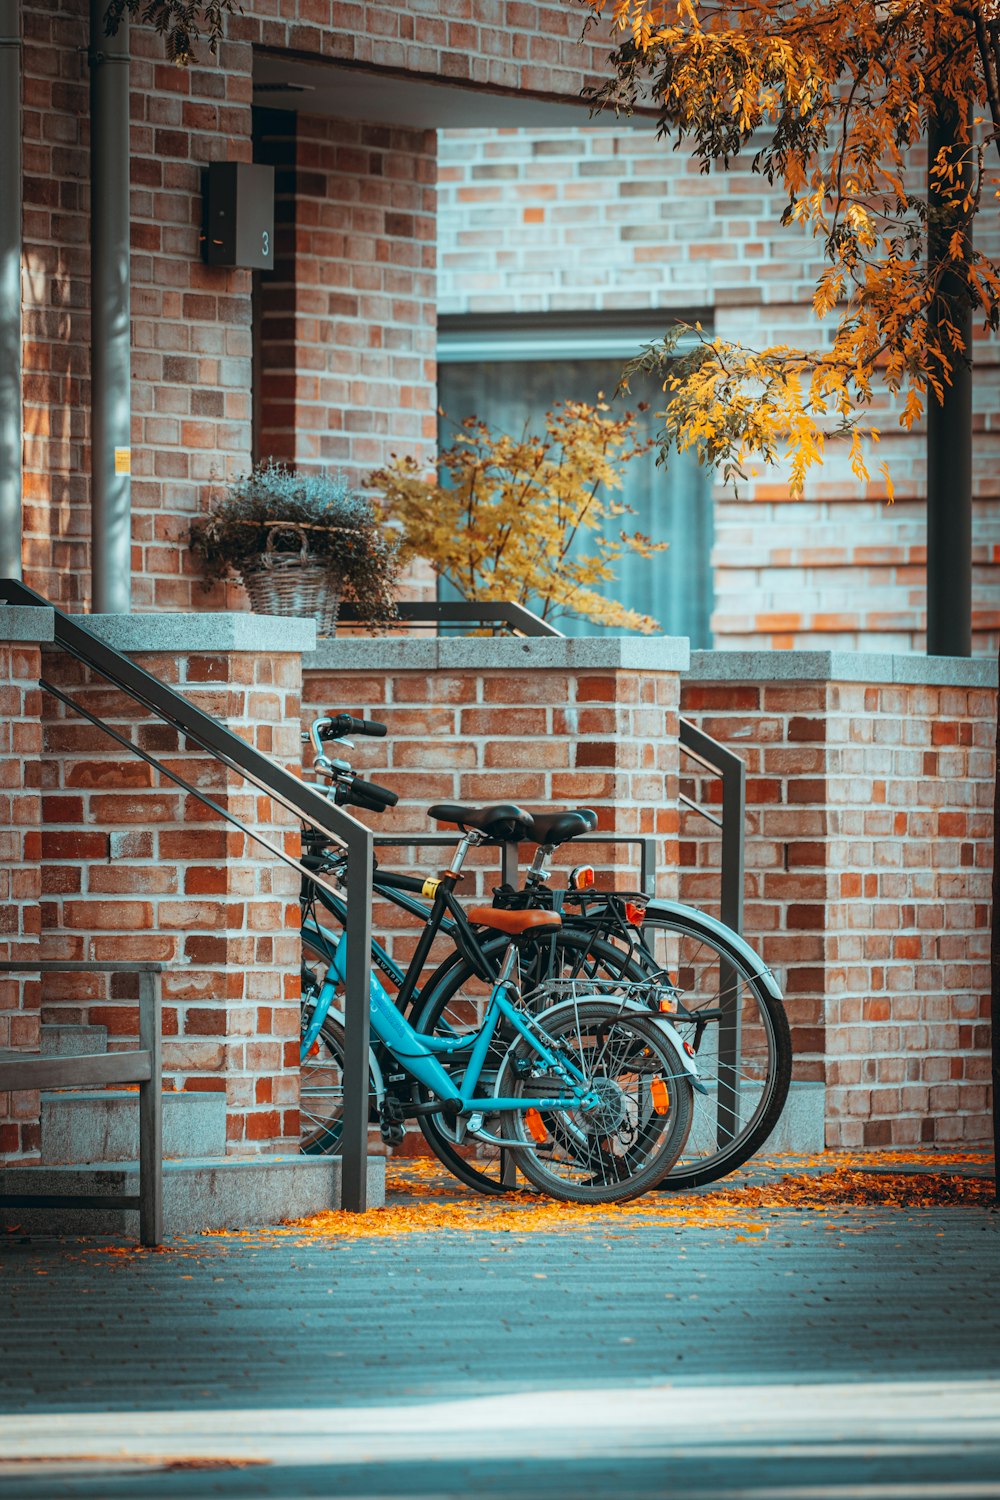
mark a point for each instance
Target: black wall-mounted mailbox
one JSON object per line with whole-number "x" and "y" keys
{"x": 239, "y": 215}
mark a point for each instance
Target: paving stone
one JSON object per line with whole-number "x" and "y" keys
{"x": 854, "y": 1354}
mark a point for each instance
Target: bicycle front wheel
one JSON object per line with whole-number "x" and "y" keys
{"x": 739, "y": 1032}
{"x": 321, "y": 1069}
{"x": 628, "y": 1136}
{"x": 321, "y": 1092}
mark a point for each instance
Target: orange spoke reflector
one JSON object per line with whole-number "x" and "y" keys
{"x": 634, "y": 913}
{"x": 668, "y": 1005}
{"x": 660, "y": 1095}
{"x": 314, "y": 1050}
{"x": 582, "y": 878}
{"x": 536, "y": 1125}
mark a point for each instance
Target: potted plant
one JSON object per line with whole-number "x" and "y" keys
{"x": 299, "y": 542}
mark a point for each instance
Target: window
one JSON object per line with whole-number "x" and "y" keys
{"x": 508, "y": 371}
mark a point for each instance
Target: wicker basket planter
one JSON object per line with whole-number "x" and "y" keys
{"x": 292, "y": 583}
{"x": 300, "y": 542}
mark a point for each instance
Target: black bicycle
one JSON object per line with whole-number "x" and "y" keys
{"x": 715, "y": 993}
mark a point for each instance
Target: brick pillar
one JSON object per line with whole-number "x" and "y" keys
{"x": 869, "y": 852}
{"x": 136, "y": 868}
{"x": 543, "y": 723}
{"x": 21, "y": 633}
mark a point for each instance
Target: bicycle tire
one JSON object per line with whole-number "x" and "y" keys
{"x": 321, "y": 1098}
{"x": 627, "y": 1142}
{"x": 321, "y": 1092}
{"x": 688, "y": 950}
{"x": 454, "y": 997}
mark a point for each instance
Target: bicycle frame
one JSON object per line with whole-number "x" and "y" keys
{"x": 415, "y": 1051}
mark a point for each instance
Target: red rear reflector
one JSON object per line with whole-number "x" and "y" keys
{"x": 536, "y": 1125}
{"x": 660, "y": 1096}
{"x": 582, "y": 878}
{"x": 634, "y": 913}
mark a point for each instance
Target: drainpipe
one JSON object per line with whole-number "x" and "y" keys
{"x": 10, "y": 289}
{"x": 949, "y": 423}
{"x": 110, "y": 337}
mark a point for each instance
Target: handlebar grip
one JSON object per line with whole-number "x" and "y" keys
{"x": 341, "y": 724}
{"x": 376, "y": 797}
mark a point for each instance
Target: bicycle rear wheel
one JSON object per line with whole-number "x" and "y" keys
{"x": 624, "y": 1143}
{"x": 739, "y": 1032}
{"x": 456, "y": 999}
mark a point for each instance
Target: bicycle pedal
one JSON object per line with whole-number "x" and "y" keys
{"x": 391, "y": 1120}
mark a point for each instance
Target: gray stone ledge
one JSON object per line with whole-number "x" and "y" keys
{"x": 181, "y": 633}
{"x": 842, "y": 666}
{"x": 664, "y": 653}
{"x": 27, "y": 624}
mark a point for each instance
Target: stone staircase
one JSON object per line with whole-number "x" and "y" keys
{"x": 90, "y": 1144}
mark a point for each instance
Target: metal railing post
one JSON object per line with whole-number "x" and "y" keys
{"x": 10, "y": 288}
{"x": 151, "y": 1113}
{"x": 110, "y": 328}
{"x": 358, "y": 936}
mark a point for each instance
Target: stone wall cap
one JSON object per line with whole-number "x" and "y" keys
{"x": 28, "y": 624}
{"x": 843, "y": 666}
{"x": 663, "y": 653}
{"x": 209, "y": 631}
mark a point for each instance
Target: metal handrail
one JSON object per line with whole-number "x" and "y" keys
{"x": 25, "y": 1071}
{"x": 509, "y": 862}
{"x": 437, "y": 612}
{"x": 286, "y": 789}
{"x": 732, "y": 771}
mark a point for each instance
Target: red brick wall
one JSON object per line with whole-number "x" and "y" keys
{"x": 348, "y": 320}
{"x": 609, "y": 219}
{"x": 869, "y": 851}
{"x": 539, "y": 736}
{"x": 363, "y": 379}
{"x": 190, "y": 322}
{"x": 20, "y": 880}
{"x": 132, "y": 867}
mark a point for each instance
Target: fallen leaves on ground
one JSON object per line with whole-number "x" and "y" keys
{"x": 430, "y": 1201}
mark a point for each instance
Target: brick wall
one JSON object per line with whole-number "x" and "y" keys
{"x": 348, "y": 322}
{"x": 362, "y": 307}
{"x": 606, "y": 220}
{"x": 20, "y": 877}
{"x": 588, "y": 723}
{"x": 190, "y": 322}
{"x": 132, "y": 867}
{"x": 869, "y": 852}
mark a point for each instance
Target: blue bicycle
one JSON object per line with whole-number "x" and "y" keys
{"x": 592, "y": 1093}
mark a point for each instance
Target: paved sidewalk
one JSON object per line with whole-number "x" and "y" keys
{"x": 852, "y": 1353}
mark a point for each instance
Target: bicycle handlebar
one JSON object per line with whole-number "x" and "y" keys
{"x": 369, "y": 794}
{"x": 337, "y": 725}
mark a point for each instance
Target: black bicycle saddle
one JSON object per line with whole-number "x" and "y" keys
{"x": 560, "y": 827}
{"x": 499, "y": 820}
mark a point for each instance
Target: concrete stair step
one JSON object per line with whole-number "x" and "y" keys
{"x": 103, "y": 1126}
{"x": 73, "y": 1041}
{"x": 224, "y": 1192}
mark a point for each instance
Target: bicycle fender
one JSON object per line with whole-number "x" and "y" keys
{"x": 663, "y": 1024}
{"x": 373, "y": 1064}
{"x": 699, "y": 921}
{"x": 666, "y": 1027}
{"x": 688, "y": 1065}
